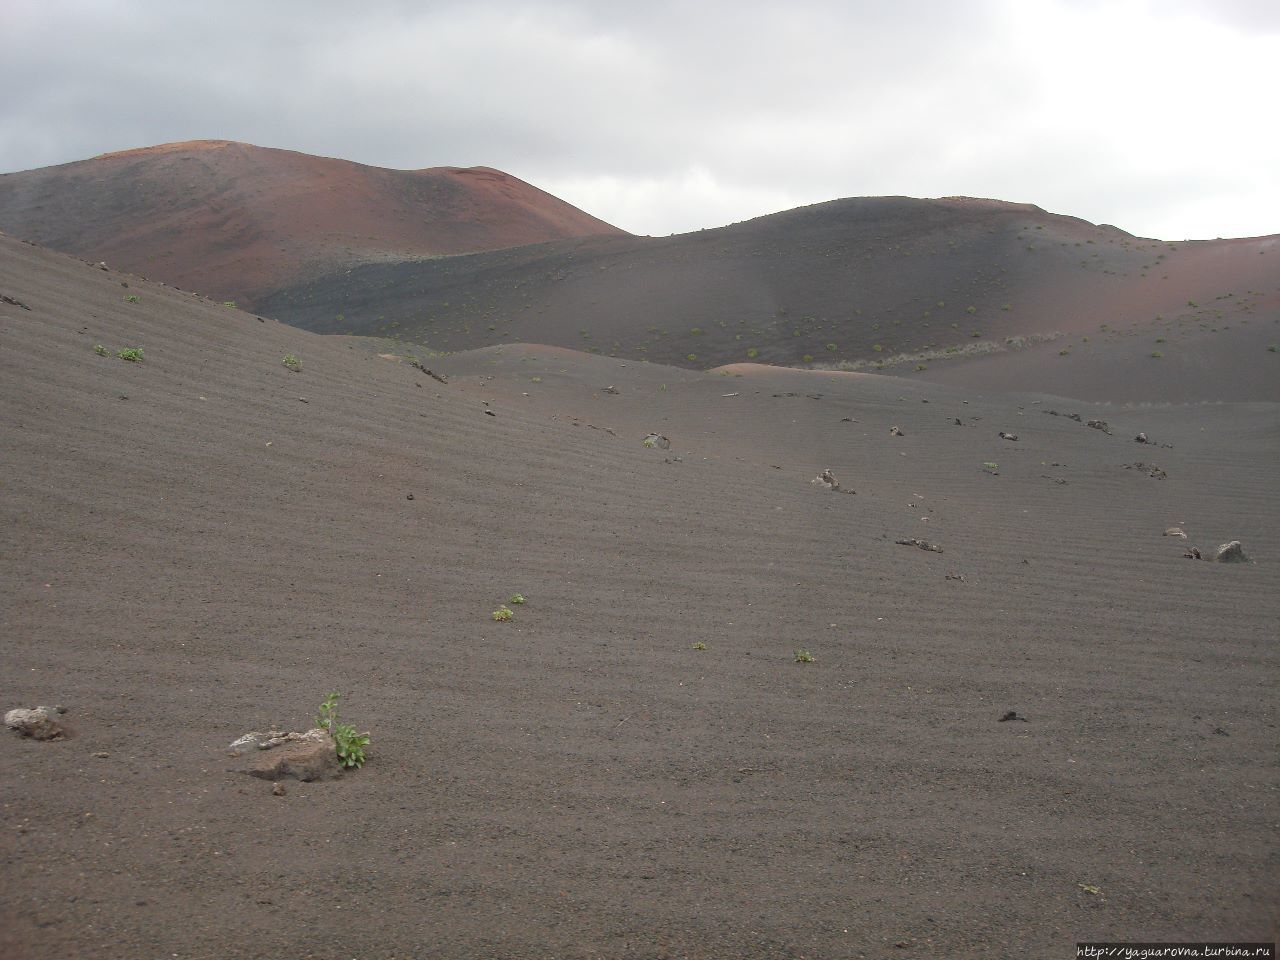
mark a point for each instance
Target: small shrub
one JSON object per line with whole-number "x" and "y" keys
{"x": 991, "y": 466}
{"x": 804, "y": 656}
{"x": 349, "y": 743}
{"x": 132, "y": 354}
{"x": 691, "y": 357}
{"x": 291, "y": 362}
{"x": 503, "y": 613}
{"x": 232, "y": 305}
{"x": 878, "y": 348}
{"x": 517, "y": 599}
{"x": 1274, "y": 348}
{"x": 752, "y": 353}
{"x": 1156, "y": 354}
{"x": 970, "y": 309}
{"x": 831, "y": 347}
{"x": 807, "y": 358}
{"x": 699, "y": 645}
{"x": 131, "y": 298}
{"x": 922, "y": 366}
{"x": 100, "y": 350}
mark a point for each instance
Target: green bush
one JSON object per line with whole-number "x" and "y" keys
{"x": 350, "y": 744}
{"x": 804, "y": 656}
{"x": 133, "y": 354}
{"x": 292, "y": 363}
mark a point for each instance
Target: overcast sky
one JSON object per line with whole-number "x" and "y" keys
{"x": 1158, "y": 117}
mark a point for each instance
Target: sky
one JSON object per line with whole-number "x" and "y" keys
{"x": 664, "y": 117}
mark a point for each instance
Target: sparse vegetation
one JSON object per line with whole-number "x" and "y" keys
{"x": 503, "y": 613}
{"x": 132, "y": 354}
{"x": 349, "y": 743}
{"x": 517, "y": 599}
{"x": 752, "y": 353}
{"x": 100, "y": 350}
{"x": 804, "y": 656}
{"x": 132, "y": 298}
{"x": 699, "y": 645}
{"x": 292, "y": 363}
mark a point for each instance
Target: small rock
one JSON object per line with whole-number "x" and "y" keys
{"x": 1012, "y": 715}
{"x": 39, "y": 723}
{"x": 896, "y": 432}
{"x": 827, "y": 479}
{"x": 958, "y": 423}
{"x": 1231, "y": 552}
{"x": 610, "y": 389}
{"x": 275, "y": 755}
{"x": 1008, "y": 436}
{"x": 1176, "y": 532}
{"x": 102, "y": 755}
{"x": 278, "y": 789}
{"x": 955, "y": 576}
{"x": 1141, "y": 438}
{"x": 1099, "y": 425}
{"x": 408, "y": 496}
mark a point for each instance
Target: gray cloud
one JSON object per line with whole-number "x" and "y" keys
{"x": 665, "y": 117}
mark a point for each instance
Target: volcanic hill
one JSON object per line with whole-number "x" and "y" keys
{"x": 890, "y": 283}
{"x": 234, "y": 221}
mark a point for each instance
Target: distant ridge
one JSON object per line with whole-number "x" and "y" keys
{"x": 234, "y": 220}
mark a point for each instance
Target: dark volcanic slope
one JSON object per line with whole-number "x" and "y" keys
{"x": 234, "y": 220}
{"x": 850, "y": 281}
{"x": 204, "y": 542}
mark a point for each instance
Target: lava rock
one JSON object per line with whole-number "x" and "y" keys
{"x": 40, "y": 723}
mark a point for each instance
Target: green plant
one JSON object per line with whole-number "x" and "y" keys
{"x": 699, "y": 645}
{"x": 131, "y": 298}
{"x": 1274, "y": 348}
{"x": 291, "y": 362}
{"x": 232, "y": 305}
{"x": 692, "y": 356}
{"x": 804, "y": 656}
{"x": 807, "y": 358}
{"x": 133, "y": 354}
{"x": 991, "y": 467}
{"x": 100, "y": 350}
{"x": 349, "y": 743}
{"x": 517, "y": 599}
{"x": 752, "y": 353}
{"x": 503, "y": 613}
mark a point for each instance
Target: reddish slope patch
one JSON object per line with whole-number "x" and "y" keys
{"x": 235, "y": 220}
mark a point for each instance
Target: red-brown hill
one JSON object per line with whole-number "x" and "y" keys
{"x": 233, "y": 220}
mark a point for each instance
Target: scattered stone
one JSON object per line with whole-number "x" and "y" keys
{"x": 408, "y": 496}
{"x": 827, "y": 479}
{"x": 1012, "y": 715}
{"x": 1008, "y": 436}
{"x": 896, "y": 432}
{"x": 490, "y": 413}
{"x": 848, "y": 420}
{"x": 1220, "y": 732}
{"x": 1176, "y": 532}
{"x": 955, "y": 576}
{"x": 102, "y": 755}
{"x": 1141, "y": 438}
{"x": 102, "y": 265}
{"x": 1099, "y": 425}
{"x": 417, "y": 365}
{"x": 958, "y": 423}
{"x": 277, "y": 790}
{"x": 1150, "y": 469}
{"x": 657, "y": 440}
{"x": 13, "y": 302}
{"x": 1232, "y": 552}
{"x": 1077, "y": 418}
{"x": 276, "y": 755}
{"x": 40, "y": 723}
{"x": 610, "y": 389}
{"x": 1193, "y": 554}
{"x": 922, "y": 544}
